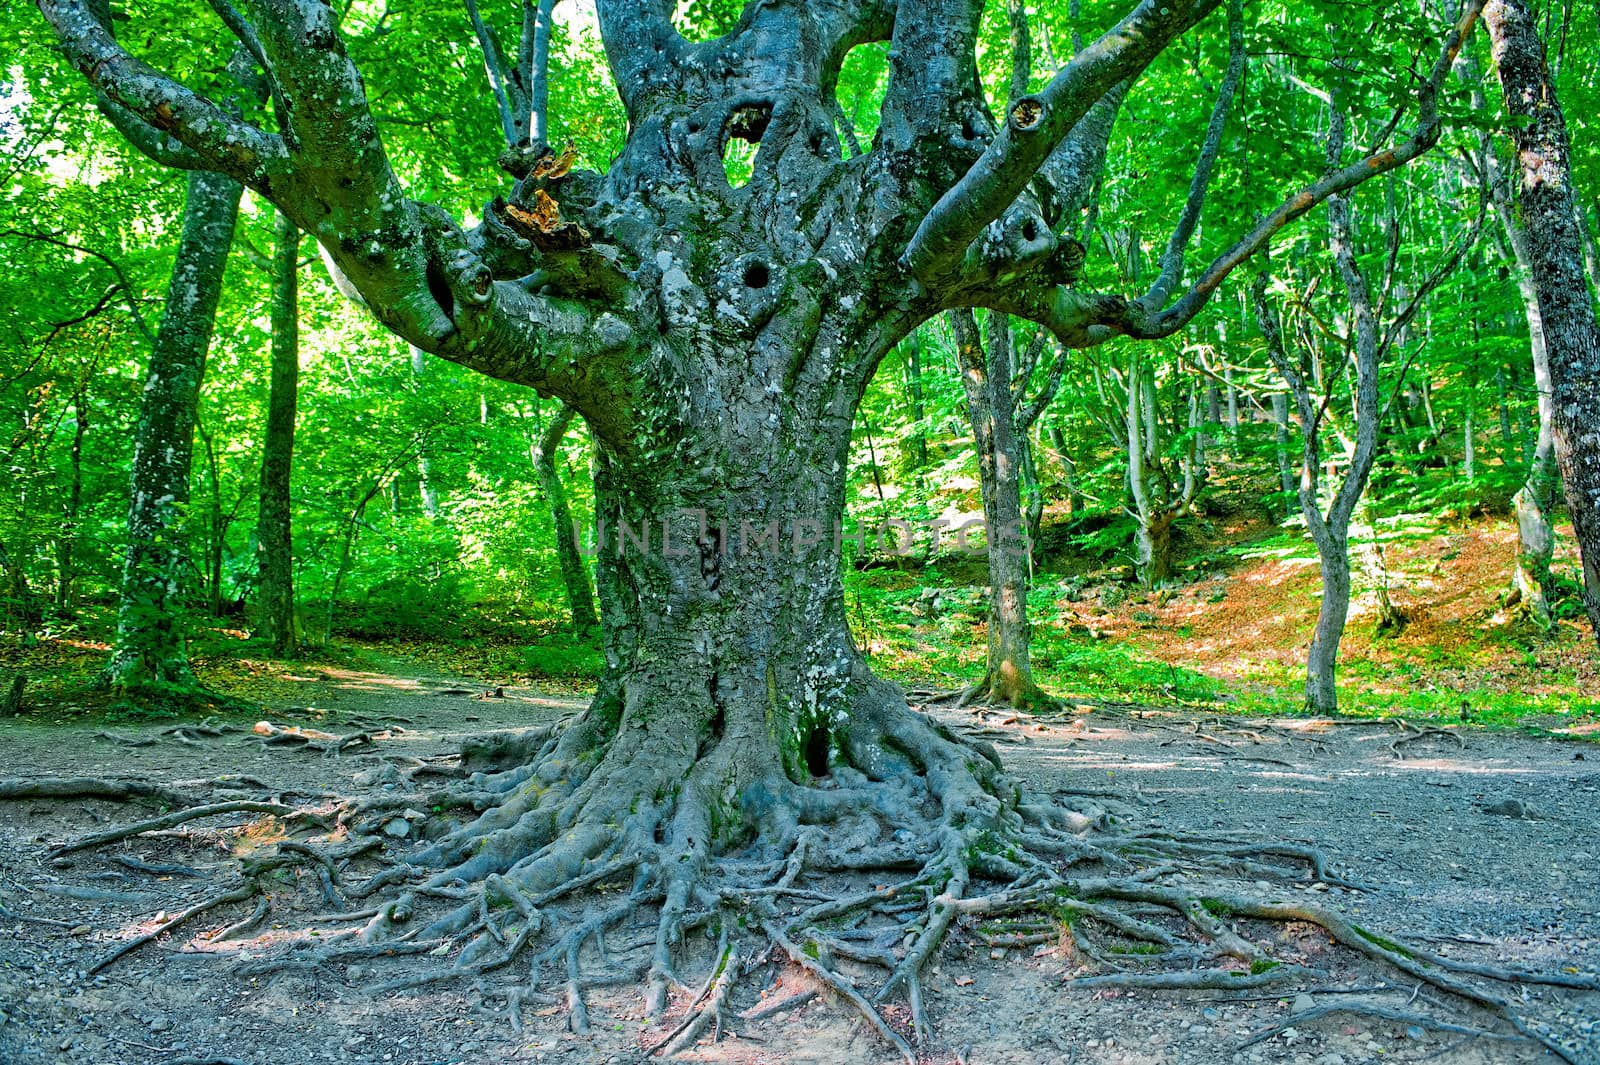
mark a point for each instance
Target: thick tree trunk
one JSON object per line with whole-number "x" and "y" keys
{"x": 574, "y": 575}
{"x": 1555, "y": 254}
{"x": 1153, "y": 542}
{"x": 150, "y": 658}
{"x": 275, "y": 620}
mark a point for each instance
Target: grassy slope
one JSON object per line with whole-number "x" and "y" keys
{"x": 1233, "y": 635}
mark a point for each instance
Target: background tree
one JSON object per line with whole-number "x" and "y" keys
{"x": 150, "y": 659}
{"x": 1002, "y": 411}
{"x": 1554, "y": 246}
{"x": 276, "y": 621}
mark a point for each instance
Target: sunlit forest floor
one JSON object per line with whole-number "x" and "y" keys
{"x": 1417, "y": 815}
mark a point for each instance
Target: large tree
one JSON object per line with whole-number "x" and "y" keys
{"x": 717, "y": 340}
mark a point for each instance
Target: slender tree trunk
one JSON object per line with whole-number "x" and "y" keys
{"x": 150, "y": 655}
{"x": 1330, "y": 531}
{"x": 215, "y": 530}
{"x": 275, "y": 617}
{"x": 1333, "y": 555}
{"x": 986, "y": 372}
{"x": 1502, "y": 387}
{"x": 1069, "y": 467}
{"x": 67, "y": 536}
{"x": 919, "y": 440}
{"x": 20, "y": 592}
{"x": 1195, "y": 472}
{"x": 430, "y": 497}
{"x": 1153, "y": 516}
{"x": 1547, "y": 207}
{"x": 1591, "y": 253}
{"x": 1280, "y": 422}
{"x": 574, "y": 575}
{"x": 1033, "y": 496}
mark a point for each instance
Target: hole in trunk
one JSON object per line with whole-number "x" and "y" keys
{"x": 741, "y": 139}
{"x": 756, "y": 275}
{"x": 439, "y": 288}
{"x": 817, "y": 751}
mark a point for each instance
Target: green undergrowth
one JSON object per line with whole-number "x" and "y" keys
{"x": 1100, "y": 638}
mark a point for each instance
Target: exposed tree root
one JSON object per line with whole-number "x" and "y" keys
{"x": 91, "y": 788}
{"x": 235, "y": 894}
{"x": 178, "y": 817}
{"x": 600, "y": 858}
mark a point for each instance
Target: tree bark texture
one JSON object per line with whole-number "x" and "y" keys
{"x": 150, "y": 654}
{"x": 1547, "y": 206}
{"x": 717, "y": 341}
{"x": 276, "y": 618}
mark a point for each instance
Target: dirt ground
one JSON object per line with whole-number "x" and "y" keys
{"x": 1411, "y": 819}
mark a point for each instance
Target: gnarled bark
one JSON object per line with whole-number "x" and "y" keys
{"x": 717, "y": 341}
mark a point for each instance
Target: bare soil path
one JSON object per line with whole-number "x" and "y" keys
{"x": 1480, "y": 845}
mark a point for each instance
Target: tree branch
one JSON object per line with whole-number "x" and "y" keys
{"x": 1021, "y": 50}
{"x": 1139, "y": 322}
{"x": 490, "y": 47}
{"x": 1172, "y": 258}
{"x": 218, "y": 140}
{"x": 1030, "y": 414}
{"x": 1035, "y": 125}
{"x": 932, "y": 74}
{"x": 122, "y": 284}
{"x": 533, "y": 67}
{"x": 641, "y": 46}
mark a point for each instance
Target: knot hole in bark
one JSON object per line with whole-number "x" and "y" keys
{"x": 1026, "y": 114}
{"x": 817, "y": 751}
{"x": 756, "y": 275}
